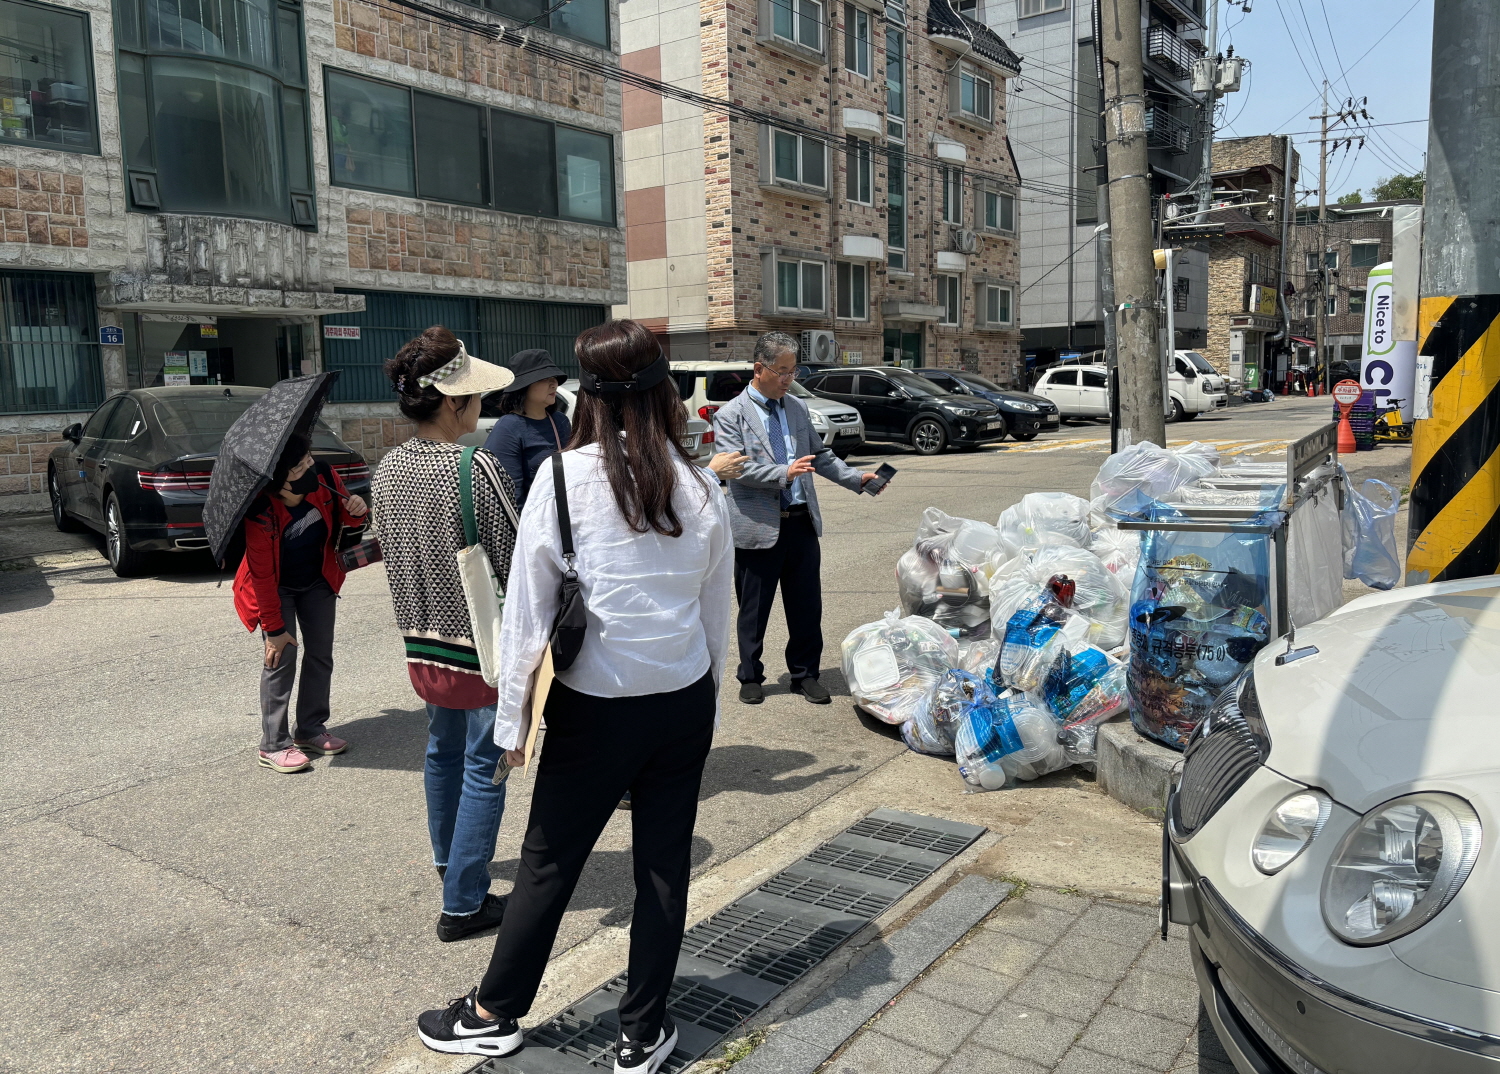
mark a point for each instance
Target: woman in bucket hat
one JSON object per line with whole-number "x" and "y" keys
{"x": 529, "y": 430}
{"x": 438, "y": 385}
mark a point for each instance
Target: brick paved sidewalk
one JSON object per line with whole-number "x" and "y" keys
{"x": 1049, "y": 982}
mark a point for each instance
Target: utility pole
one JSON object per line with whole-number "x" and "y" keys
{"x": 1455, "y": 490}
{"x": 1138, "y": 341}
{"x": 1206, "y": 177}
{"x": 1323, "y": 279}
{"x": 1104, "y": 248}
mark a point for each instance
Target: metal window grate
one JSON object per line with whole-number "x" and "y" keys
{"x": 908, "y": 835}
{"x": 49, "y": 345}
{"x": 765, "y": 944}
{"x": 816, "y": 892}
{"x": 700, "y": 1004}
{"x": 866, "y": 864}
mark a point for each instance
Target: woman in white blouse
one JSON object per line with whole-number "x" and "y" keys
{"x": 635, "y": 712}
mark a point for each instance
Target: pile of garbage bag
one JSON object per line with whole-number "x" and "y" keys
{"x": 944, "y": 576}
{"x": 893, "y": 665}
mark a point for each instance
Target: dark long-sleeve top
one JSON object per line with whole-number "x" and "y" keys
{"x": 522, "y": 445}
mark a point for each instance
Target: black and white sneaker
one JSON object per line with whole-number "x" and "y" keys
{"x": 459, "y": 1030}
{"x": 632, "y": 1057}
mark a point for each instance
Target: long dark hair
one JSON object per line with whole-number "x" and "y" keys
{"x": 639, "y": 464}
{"x": 432, "y": 350}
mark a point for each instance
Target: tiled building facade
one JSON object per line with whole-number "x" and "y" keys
{"x": 875, "y": 212}
{"x": 205, "y": 197}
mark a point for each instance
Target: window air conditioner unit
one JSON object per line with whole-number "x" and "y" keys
{"x": 819, "y": 346}
{"x": 1205, "y": 74}
{"x": 964, "y": 241}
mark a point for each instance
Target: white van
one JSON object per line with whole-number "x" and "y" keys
{"x": 1082, "y": 391}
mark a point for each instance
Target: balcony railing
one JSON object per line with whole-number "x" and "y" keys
{"x": 1166, "y": 131}
{"x": 1171, "y": 51}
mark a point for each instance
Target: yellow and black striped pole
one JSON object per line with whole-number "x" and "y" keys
{"x": 1455, "y": 467}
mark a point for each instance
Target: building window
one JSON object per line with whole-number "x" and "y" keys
{"x": 213, "y": 109}
{"x": 895, "y": 81}
{"x": 1357, "y": 301}
{"x": 585, "y": 20}
{"x": 999, "y": 210}
{"x": 1312, "y": 261}
{"x": 793, "y": 158}
{"x": 952, "y": 182}
{"x": 402, "y": 141}
{"x": 857, "y": 159}
{"x": 1364, "y": 254}
{"x": 853, "y": 291}
{"x": 1333, "y": 305}
{"x": 46, "y": 78}
{"x": 799, "y": 22}
{"x": 948, "y": 298}
{"x": 975, "y": 96}
{"x": 49, "y": 347}
{"x": 1309, "y": 307}
{"x": 895, "y": 208}
{"x": 1180, "y": 291}
{"x": 857, "y": 40}
{"x": 995, "y": 304}
{"x": 799, "y": 285}
{"x": 1039, "y": 7}
{"x": 1330, "y": 259}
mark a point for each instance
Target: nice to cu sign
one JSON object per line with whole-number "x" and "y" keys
{"x": 1390, "y": 365}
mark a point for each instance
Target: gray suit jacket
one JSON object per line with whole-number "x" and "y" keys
{"x": 755, "y": 496}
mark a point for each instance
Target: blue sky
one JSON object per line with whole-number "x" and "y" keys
{"x": 1363, "y": 50}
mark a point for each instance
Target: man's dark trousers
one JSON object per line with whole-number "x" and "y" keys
{"x": 795, "y": 562}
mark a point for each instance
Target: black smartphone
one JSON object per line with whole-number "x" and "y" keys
{"x": 882, "y": 478}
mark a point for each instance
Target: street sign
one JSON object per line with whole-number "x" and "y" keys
{"x": 340, "y": 331}
{"x": 1346, "y": 392}
{"x": 111, "y": 335}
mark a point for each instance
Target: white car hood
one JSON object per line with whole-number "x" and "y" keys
{"x": 1401, "y": 695}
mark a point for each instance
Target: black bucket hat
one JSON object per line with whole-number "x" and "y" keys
{"x": 531, "y": 366}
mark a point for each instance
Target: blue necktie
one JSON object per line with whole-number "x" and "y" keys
{"x": 778, "y": 444}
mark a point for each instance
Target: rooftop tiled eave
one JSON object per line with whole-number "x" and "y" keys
{"x": 948, "y": 29}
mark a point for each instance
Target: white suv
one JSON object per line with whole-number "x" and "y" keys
{"x": 706, "y": 386}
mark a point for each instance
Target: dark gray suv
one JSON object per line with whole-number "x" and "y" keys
{"x": 900, "y": 406}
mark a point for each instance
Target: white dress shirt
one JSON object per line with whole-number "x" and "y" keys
{"x": 658, "y": 607}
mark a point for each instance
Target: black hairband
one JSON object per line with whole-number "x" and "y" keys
{"x": 649, "y": 377}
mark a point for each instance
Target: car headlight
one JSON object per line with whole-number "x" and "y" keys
{"x": 963, "y": 411}
{"x": 1399, "y": 866}
{"x": 1017, "y": 405}
{"x": 818, "y": 420}
{"x": 1293, "y": 824}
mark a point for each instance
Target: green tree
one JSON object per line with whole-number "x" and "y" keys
{"x": 1351, "y": 198}
{"x": 1400, "y": 186}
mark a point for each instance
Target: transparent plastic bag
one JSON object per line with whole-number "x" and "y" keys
{"x": 979, "y": 655}
{"x": 1044, "y": 519}
{"x": 1098, "y": 595}
{"x": 944, "y": 575}
{"x": 1141, "y": 473}
{"x": 1119, "y": 550}
{"x": 1004, "y": 739}
{"x": 932, "y": 726}
{"x": 892, "y": 665}
{"x": 1370, "y": 550}
{"x": 1084, "y": 686}
{"x": 1315, "y": 586}
{"x": 1034, "y": 635}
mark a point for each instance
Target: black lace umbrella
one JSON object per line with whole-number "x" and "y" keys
{"x": 251, "y": 449}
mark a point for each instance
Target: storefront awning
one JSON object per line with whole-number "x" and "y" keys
{"x": 1304, "y": 342}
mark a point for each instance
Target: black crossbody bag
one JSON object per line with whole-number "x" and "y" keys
{"x": 571, "y": 622}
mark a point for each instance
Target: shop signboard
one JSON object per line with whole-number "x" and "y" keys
{"x": 1389, "y": 366}
{"x": 174, "y": 369}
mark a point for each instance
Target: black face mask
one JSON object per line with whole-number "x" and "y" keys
{"x": 301, "y": 486}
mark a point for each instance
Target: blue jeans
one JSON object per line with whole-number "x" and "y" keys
{"x": 464, "y": 805}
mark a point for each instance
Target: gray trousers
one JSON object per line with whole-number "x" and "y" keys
{"x": 313, "y": 610}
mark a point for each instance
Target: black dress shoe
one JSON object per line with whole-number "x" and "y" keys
{"x": 813, "y": 690}
{"x": 452, "y": 927}
{"x": 751, "y": 693}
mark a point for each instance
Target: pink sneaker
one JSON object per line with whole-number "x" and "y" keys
{"x": 292, "y": 760}
{"x": 324, "y": 743}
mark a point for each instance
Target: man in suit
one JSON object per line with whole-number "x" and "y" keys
{"x": 774, "y": 511}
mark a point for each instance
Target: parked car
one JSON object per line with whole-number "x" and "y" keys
{"x": 806, "y": 369}
{"x": 1025, "y": 414}
{"x": 900, "y": 406}
{"x": 138, "y": 469}
{"x": 1330, "y": 842}
{"x": 699, "y": 439}
{"x": 706, "y": 386}
{"x": 1082, "y": 390}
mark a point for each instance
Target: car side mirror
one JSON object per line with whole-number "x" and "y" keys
{"x": 73, "y": 433}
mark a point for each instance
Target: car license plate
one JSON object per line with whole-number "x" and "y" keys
{"x": 848, "y": 432}
{"x": 990, "y": 426}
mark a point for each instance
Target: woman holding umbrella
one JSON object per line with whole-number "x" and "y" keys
{"x": 291, "y": 575}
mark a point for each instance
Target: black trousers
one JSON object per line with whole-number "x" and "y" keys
{"x": 597, "y": 749}
{"x": 795, "y": 562}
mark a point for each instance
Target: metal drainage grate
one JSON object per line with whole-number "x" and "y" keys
{"x": 738, "y": 960}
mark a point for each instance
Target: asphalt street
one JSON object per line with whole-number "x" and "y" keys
{"x": 167, "y": 905}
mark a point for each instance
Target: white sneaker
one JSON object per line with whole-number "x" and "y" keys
{"x": 632, "y": 1057}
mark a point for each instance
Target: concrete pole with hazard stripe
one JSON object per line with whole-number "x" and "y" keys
{"x": 1455, "y": 466}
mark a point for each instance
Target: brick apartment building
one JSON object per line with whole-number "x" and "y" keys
{"x": 235, "y": 191}
{"x": 1355, "y": 240}
{"x": 1247, "y": 337}
{"x": 889, "y": 235}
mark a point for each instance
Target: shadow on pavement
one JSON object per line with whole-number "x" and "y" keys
{"x": 758, "y": 770}
{"x": 395, "y": 740}
{"x": 23, "y": 590}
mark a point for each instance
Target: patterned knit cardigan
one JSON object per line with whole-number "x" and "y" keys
{"x": 417, "y": 519}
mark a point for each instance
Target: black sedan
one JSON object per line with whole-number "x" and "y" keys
{"x": 1025, "y": 414}
{"x": 898, "y": 405}
{"x": 138, "y": 469}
